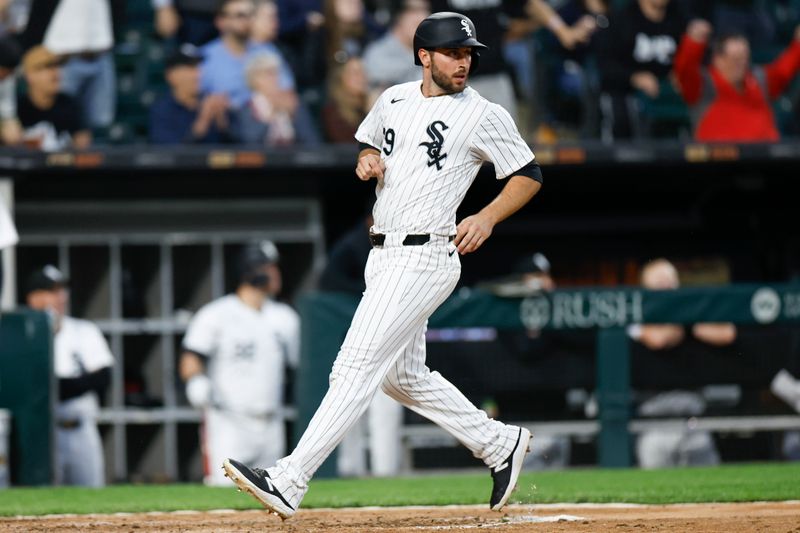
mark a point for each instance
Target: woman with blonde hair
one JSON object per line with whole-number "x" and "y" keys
{"x": 273, "y": 116}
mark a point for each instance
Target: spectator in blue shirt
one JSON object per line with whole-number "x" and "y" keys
{"x": 183, "y": 116}
{"x": 224, "y": 59}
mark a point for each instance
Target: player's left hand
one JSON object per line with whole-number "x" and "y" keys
{"x": 472, "y": 232}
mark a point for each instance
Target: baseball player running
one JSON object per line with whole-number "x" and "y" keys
{"x": 424, "y": 143}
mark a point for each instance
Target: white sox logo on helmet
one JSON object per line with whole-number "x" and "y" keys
{"x": 466, "y": 28}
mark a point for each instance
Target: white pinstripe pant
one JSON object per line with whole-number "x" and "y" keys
{"x": 385, "y": 347}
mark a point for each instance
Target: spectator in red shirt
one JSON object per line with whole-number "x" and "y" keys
{"x": 730, "y": 101}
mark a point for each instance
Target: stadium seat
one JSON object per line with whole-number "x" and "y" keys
{"x": 665, "y": 117}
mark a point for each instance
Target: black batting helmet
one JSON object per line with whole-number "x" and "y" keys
{"x": 252, "y": 257}
{"x": 447, "y": 30}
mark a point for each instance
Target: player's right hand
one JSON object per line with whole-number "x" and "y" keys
{"x": 370, "y": 166}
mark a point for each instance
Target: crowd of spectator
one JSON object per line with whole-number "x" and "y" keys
{"x": 303, "y": 72}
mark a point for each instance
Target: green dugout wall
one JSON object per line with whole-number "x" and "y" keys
{"x": 326, "y": 317}
{"x": 27, "y": 390}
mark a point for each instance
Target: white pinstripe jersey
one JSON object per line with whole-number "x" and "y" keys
{"x": 433, "y": 148}
{"x": 247, "y": 351}
{"x": 79, "y": 348}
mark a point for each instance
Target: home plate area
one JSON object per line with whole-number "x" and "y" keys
{"x": 783, "y": 517}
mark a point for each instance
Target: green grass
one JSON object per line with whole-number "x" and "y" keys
{"x": 774, "y": 481}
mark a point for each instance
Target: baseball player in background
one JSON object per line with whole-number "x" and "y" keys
{"x": 82, "y": 364}
{"x": 424, "y": 143}
{"x": 236, "y": 350}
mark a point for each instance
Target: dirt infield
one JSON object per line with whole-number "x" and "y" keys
{"x": 783, "y": 517}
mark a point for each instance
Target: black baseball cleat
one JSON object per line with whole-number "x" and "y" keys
{"x": 257, "y": 482}
{"x": 505, "y": 474}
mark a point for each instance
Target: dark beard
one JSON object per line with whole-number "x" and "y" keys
{"x": 442, "y": 81}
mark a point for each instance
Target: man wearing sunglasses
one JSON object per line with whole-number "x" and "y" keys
{"x": 224, "y": 59}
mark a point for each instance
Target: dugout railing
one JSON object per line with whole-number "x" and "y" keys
{"x": 609, "y": 311}
{"x": 138, "y": 269}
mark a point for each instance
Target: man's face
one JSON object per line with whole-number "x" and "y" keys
{"x": 275, "y": 280}
{"x": 450, "y": 68}
{"x": 660, "y": 277}
{"x": 265, "y": 23}
{"x": 274, "y": 284}
{"x": 410, "y": 19}
{"x": 53, "y": 300}
{"x": 656, "y": 4}
{"x": 184, "y": 79}
{"x": 236, "y": 20}
{"x": 734, "y": 61}
{"x": 348, "y": 11}
{"x": 45, "y": 78}
{"x": 596, "y": 6}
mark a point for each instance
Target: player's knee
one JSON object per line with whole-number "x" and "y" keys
{"x": 409, "y": 380}
{"x": 389, "y": 388}
{"x": 348, "y": 373}
{"x": 354, "y": 366}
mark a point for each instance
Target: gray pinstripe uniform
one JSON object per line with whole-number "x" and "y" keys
{"x": 433, "y": 148}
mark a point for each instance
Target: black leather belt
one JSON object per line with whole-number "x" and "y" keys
{"x": 377, "y": 239}
{"x": 84, "y": 56}
{"x": 69, "y": 424}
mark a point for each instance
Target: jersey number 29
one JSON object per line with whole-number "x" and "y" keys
{"x": 388, "y": 141}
